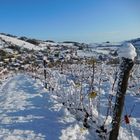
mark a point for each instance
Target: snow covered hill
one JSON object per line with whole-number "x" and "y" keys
{"x": 23, "y": 42}
{"x": 15, "y": 41}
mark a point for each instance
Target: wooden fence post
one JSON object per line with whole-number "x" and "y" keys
{"x": 125, "y": 68}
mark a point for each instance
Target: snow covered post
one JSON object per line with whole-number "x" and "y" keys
{"x": 127, "y": 54}
{"x": 45, "y": 75}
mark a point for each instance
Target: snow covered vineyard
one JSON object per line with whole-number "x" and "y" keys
{"x": 52, "y": 91}
{"x": 27, "y": 111}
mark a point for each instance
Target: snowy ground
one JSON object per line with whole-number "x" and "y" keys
{"x": 28, "y": 112}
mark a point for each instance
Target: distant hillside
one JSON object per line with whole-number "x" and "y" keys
{"x": 8, "y": 40}
{"x": 135, "y": 42}
{"x": 36, "y": 44}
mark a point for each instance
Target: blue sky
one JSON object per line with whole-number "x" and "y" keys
{"x": 77, "y": 20}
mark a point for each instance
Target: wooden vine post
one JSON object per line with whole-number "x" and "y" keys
{"x": 127, "y": 54}
{"x": 45, "y": 72}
